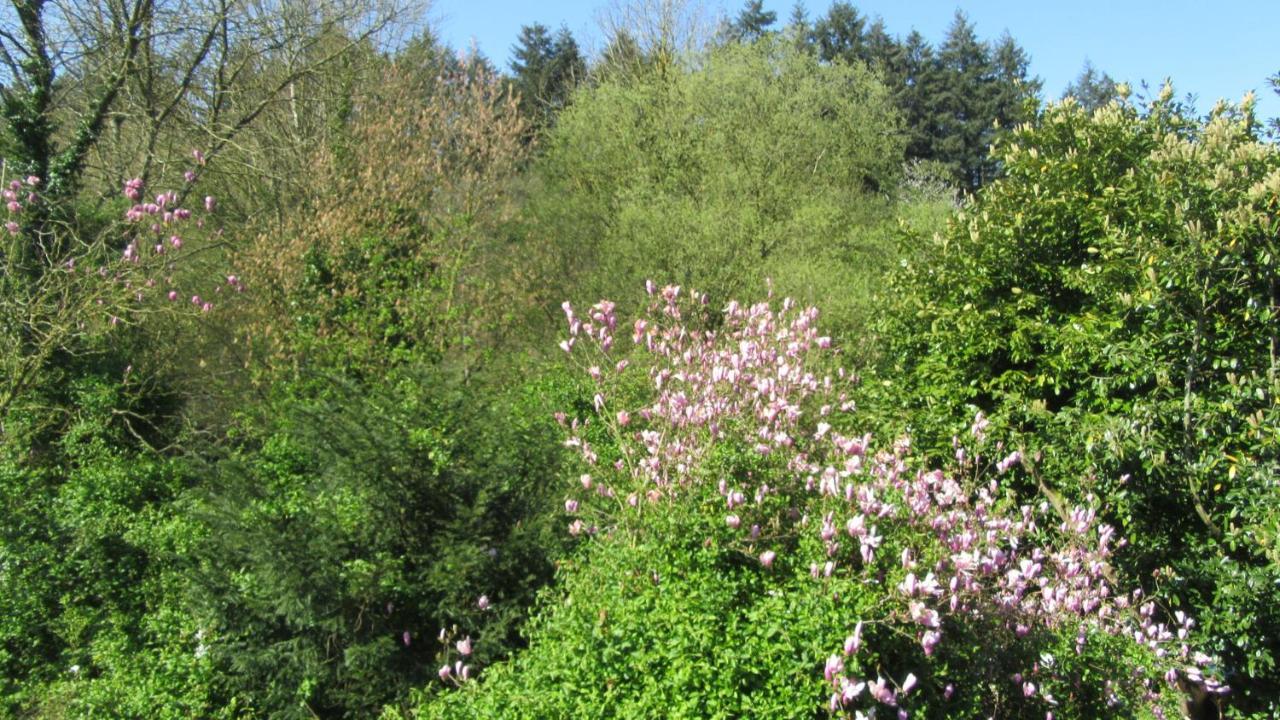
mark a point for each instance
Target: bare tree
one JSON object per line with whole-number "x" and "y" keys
{"x": 663, "y": 30}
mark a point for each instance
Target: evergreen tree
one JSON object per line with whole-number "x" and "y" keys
{"x": 839, "y": 34}
{"x": 530, "y": 65}
{"x": 800, "y": 28}
{"x": 567, "y": 68}
{"x": 546, "y": 70}
{"x": 982, "y": 89}
{"x": 913, "y": 73}
{"x": 623, "y": 58}
{"x": 752, "y": 23}
{"x": 799, "y": 16}
{"x": 1092, "y": 88}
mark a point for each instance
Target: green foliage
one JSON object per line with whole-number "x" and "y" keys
{"x": 668, "y": 610}
{"x": 352, "y": 514}
{"x": 656, "y": 625}
{"x": 1111, "y": 302}
{"x": 755, "y": 161}
{"x": 89, "y": 547}
{"x": 954, "y": 100}
{"x": 751, "y": 24}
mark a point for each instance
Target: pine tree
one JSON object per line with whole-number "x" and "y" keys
{"x": 982, "y": 90}
{"x": 799, "y": 27}
{"x": 623, "y": 58}
{"x": 530, "y": 66}
{"x": 1092, "y": 88}
{"x": 839, "y": 34}
{"x": 546, "y": 70}
{"x": 752, "y": 23}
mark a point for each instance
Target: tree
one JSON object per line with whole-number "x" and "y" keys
{"x": 982, "y": 91}
{"x": 750, "y": 165}
{"x": 840, "y": 34}
{"x": 546, "y": 71}
{"x": 1092, "y": 88}
{"x": 751, "y": 24}
{"x": 1110, "y": 302}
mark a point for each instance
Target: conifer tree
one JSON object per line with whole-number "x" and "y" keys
{"x": 1092, "y": 88}
{"x": 546, "y": 69}
{"x": 753, "y": 22}
{"x": 839, "y": 34}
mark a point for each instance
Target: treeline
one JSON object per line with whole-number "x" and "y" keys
{"x": 952, "y": 98}
{"x": 285, "y": 430}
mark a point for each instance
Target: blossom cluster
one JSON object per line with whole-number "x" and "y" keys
{"x": 151, "y": 242}
{"x": 966, "y": 553}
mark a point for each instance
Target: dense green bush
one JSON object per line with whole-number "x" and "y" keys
{"x": 353, "y": 522}
{"x": 89, "y": 553}
{"x": 1112, "y": 304}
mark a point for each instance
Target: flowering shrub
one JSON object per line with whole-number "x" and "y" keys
{"x": 64, "y": 292}
{"x": 953, "y": 596}
{"x": 1111, "y": 305}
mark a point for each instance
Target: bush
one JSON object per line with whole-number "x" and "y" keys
{"x": 739, "y": 530}
{"x": 1111, "y": 305}
{"x": 353, "y": 522}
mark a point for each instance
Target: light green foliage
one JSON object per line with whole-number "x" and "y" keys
{"x": 90, "y": 588}
{"x": 756, "y": 162}
{"x": 1112, "y": 301}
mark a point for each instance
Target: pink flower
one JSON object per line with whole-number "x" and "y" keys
{"x": 483, "y": 602}
{"x": 571, "y": 506}
{"x": 834, "y": 667}
{"x": 33, "y": 180}
{"x": 908, "y": 683}
{"x": 209, "y": 203}
{"x": 12, "y": 227}
{"x": 883, "y": 694}
{"x": 930, "y": 640}
{"x": 199, "y": 156}
{"x": 767, "y": 557}
{"x": 624, "y": 418}
{"x": 854, "y": 641}
{"x": 464, "y": 646}
{"x": 733, "y": 521}
{"x": 407, "y": 638}
{"x": 444, "y": 672}
{"x": 189, "y": 176}
{"x": 173, "y": 295}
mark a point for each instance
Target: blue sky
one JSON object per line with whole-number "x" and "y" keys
{"x": 1212, "y": 49}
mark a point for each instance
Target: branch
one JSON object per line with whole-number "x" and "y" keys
{"x": 66, "y": 168}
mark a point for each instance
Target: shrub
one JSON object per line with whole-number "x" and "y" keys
{"x": 1111, "y": 305}
{"x": 740, "y": 529}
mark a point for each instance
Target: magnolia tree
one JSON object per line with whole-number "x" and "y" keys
{"x": 958, "y": 567}
{"x": 70, "y": 294}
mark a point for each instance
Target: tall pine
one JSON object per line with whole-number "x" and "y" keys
{"x": 545, "y": 71}
{"x": 753, "y": 22}
{"x": 1092, "y": 88}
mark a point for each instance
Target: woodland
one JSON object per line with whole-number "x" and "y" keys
{"x": 747, "y": 367}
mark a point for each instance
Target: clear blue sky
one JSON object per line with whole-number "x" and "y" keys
{"x": 1210, "y": 48}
